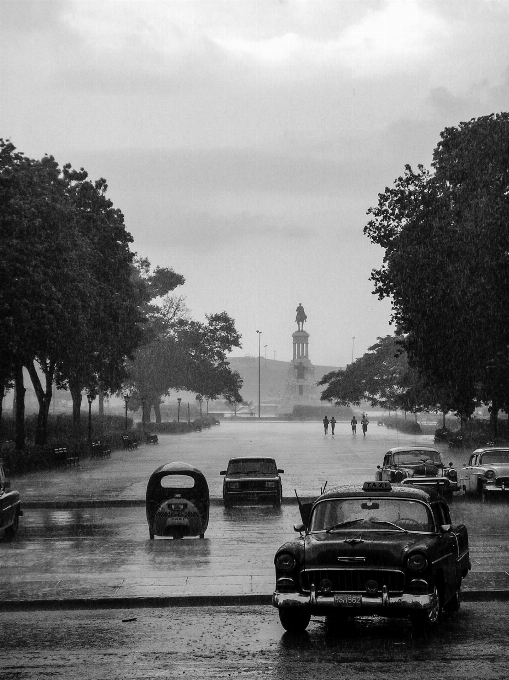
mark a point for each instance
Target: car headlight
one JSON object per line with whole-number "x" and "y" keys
{"x": 490, "y": 474}
{"x": 285, "y": 562}
{"x": 233, "y": 485}
{"x": 270, "y": 485}
{"x": 417, "y": 562}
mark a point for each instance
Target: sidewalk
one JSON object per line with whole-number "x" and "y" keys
{"x": 115, "y": 565}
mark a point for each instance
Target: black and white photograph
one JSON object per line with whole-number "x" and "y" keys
{"x": 254, "y": 339}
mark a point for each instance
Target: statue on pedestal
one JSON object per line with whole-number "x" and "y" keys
{"x": 301, "y": 317}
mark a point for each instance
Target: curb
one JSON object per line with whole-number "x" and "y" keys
{"x": 137, "y": 602}
{"x": 189, "y": 601}
{"x": 68, "y": 503}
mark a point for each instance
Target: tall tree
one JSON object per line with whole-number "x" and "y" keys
{"x": 446, "y": 266}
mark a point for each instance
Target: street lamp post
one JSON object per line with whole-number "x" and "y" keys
{"x": 90, "y": 399}
{"x": 179, "y": 400}
{"x": 353, "y": 343}
{"x": 259, "y": 377}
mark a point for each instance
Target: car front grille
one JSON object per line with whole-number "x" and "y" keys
{"x": 353, "y": 580}
{"x": 251, "y": 485}
{"x": 502, "y": 481}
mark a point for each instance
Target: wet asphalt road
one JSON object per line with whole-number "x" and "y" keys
{"x": 227, "y": 642}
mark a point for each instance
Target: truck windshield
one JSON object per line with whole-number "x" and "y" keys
{"x": 263, "y": 466}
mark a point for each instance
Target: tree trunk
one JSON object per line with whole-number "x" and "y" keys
{"x": 146, "y": 411}
{"x": 443, "y": 420}
{"x": 157, "y": 411}
{"x": 100, "y": 394}
{"x": 19, "y": 411}
{"x": 75, "y": 390}
{"x": 44, "y": 397}
{"x": 494, "y": 419}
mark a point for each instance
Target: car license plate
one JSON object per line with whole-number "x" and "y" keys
{"x": 347, "y": 600}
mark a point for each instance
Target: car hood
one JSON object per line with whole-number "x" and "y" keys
{"x": 367, "y": 548}
{"x": 258, "y": 475}
{"x": 502, "y": 469}
{"x": 423, "y": 470}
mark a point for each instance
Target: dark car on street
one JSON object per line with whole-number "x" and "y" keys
{"x": 252, "y": 480}
{"x": 372, "y": 549}
{"x": 420, "y": 466}
{"x": 10, "y": 505}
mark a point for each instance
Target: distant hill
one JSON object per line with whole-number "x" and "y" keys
{"x": 273, "y": 377}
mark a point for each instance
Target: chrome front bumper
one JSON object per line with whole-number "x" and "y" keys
{"x": 382, "y": 601}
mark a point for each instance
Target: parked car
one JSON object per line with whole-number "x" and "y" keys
{"x": 250, "y": 480}
{"x": 372, "y": 549}
{"x": 10, "y": 505}
{"x": 486, "y": 473}
{"x": 420, "y": 466}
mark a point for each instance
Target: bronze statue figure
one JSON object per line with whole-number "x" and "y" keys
{"x": 301, "y": 317}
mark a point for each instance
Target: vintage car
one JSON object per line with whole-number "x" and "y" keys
{"x": 252, "y": 480}
{"x": 10, "y": 505}
{"x": 486, "y": 473}
{"x": 377, "y": 548}
{"x": 420, "y": 466}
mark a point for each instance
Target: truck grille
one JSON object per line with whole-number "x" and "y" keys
{"x": 353, "y": 580}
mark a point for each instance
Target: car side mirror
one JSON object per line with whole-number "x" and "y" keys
{"x": 451, "y": 464}
{"x": 281, "y": 472}
{"x": 445, "y": 528}
{"x": 223, "y": 472}
{"x": 378, "y": 467}
{"x": 299, "y": 527}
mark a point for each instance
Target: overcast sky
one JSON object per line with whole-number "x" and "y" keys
{"x": 244, "y": 141}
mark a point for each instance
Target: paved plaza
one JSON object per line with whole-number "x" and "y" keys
{"x": 83, "y": 539}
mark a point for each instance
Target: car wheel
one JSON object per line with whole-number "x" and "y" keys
{"x": 13, "y": 528}
{"x": 295, "y": 620}
{"x": 151, "y": 534}
{"x": 454, "y": 603}
{"x": 227, "y": 503}
{"x": 426, "y": 621}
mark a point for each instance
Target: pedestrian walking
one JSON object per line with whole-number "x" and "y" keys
{"x": 325, "y": 422}
{"x": 332, "y": 424}
{"x": 353, "y": 423}
{"x": 364, "y": 423}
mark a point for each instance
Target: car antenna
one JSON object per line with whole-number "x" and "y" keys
{"x": 322, "y": 490}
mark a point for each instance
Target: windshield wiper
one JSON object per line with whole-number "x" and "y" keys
{"x": 385, "y": 521}
{"x": 343, "y": 524}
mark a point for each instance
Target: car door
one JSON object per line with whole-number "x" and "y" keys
{"x": 448, "y": 549}
{"x": 470, "y": 480}
{"x": 386, "y": 467}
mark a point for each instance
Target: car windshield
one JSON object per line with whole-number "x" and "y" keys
{"x": 493, "y": 457}
{"x": 416, "y": 456}
{"x": 260, "y": 466}
{"x": 361, "y": 514}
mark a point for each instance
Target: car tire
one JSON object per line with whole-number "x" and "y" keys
{"x": 426, "y": 621}
{"x": 151, "y": 535}
{"x": 295, "y": 620}
{"x": 454, "y": 603}
{"x": 227, "y": 503}
{"x": 11, "y": 530}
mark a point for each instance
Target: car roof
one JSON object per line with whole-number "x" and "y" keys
{"x": 232, "y": 460}
{"x": 485, "y": 449}
{"x": 397, "y": 491}
{"x": 398, "y": 449}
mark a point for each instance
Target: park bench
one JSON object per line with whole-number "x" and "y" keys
{"x": 62, "y": 454}
{"x": 128, "y": 443}
{"x": 100, "y": 450}
{"x": 151, "y": 438}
